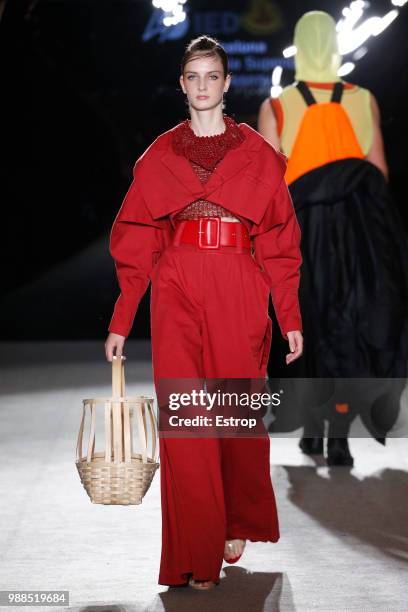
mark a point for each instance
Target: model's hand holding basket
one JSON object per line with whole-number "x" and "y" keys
{"x": 118, "y": 475}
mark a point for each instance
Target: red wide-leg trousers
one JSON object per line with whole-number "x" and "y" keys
{"x": 209, "y": 318}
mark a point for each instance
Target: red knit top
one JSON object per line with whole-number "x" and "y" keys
{"x": 204, "y": 153}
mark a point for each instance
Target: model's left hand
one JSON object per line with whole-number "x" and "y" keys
{"x": 295, "y": 340}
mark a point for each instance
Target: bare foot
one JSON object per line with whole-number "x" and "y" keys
{"x": 233, "y": 549}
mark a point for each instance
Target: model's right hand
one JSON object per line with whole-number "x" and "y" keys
{"x": 114, "y": 345}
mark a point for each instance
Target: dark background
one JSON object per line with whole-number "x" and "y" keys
{"x": 83, "y": 95}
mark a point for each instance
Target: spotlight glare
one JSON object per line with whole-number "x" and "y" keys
{"x": 384, "y": 22}
{"x": 289, "y": 51}
{"x": 276, "y": 75}
{"x": 351, "y": 36}
{"x": 168, "y": 6}
{"x": 172, "y": 9}
{"x": 359, "y": 53}
{"x": 349, "y": 40}
{"x": 276, "y": 90}
{"x": 346, "y": 68}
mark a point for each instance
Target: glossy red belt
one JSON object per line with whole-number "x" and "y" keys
{"x": 211, "y": 233}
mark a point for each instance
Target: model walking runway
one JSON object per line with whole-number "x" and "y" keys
{"x": 209, "y": 221}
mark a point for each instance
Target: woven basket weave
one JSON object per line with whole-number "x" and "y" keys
{"x": 118, "y": 476}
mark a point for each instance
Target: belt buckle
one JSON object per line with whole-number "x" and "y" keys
{"x": 209, "y": 234}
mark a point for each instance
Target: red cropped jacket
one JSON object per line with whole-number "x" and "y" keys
{"x": 249, "y": 181}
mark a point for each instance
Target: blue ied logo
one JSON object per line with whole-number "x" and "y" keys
{"x": 156, "y": 27}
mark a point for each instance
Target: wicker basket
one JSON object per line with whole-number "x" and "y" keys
{"x": 118, "y": 476}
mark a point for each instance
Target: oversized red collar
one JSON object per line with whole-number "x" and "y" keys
{"x": 206, "y": 151}
{"x": 164, "y": 183}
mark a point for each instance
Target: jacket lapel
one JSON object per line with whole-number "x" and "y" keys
{"x": 182, "y": 170}
{"x": 164, "y": 198}
{"x": 232, "y": 164}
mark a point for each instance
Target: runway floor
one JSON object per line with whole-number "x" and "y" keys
{"x": 344, "y": 533}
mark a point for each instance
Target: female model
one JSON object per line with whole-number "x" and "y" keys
{"x": 204, "y": 195}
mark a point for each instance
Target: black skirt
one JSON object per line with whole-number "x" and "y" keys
{"x": 354, "y": 276}
{"x": 353, "y": 294}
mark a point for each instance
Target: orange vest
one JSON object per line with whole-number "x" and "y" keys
{"x": 325, "y": 134}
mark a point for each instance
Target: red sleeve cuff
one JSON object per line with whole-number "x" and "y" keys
{"x": 287, "y": 310}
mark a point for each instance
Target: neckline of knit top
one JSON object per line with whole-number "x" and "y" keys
{"x": 206, "y": 151}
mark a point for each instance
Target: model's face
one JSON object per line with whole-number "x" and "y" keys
{"x": 203, "y": 82}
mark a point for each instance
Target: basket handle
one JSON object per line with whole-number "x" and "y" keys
{"x": 118, "y": 376}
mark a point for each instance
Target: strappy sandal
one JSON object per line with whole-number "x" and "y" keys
{"x": 228, "y": 544}
{"x": 201, "y": 585}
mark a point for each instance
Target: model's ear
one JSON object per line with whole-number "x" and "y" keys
{"x": 227, "y": 83}
{"x": 181, "y": 79}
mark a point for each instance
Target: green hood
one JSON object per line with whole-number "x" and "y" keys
{"x": 317, "y": 57}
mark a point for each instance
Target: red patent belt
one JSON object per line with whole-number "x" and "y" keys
{"x": 211, "y": 233}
